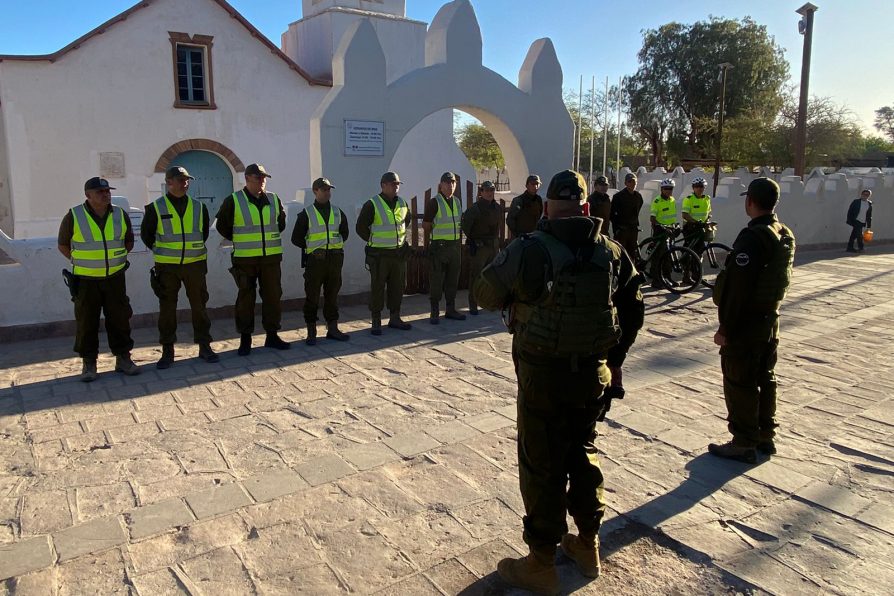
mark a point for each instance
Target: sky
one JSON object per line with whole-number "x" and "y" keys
{"x": 852, "y": 42}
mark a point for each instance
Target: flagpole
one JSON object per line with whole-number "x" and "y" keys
{"x": 592, "y": 128}
{"x": 605, "y": 134}
{"x": 620, "y": 101}
{"x": 580, "y": 122}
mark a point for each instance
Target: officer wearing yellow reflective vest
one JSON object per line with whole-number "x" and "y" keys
{"x": 663, "y": 213}
{"x": 96, "y": 237}
{"x": 572, "y": 294}
{"x": 748, "y": 295}
{"x": 442, "y": 228}
{"x": 696, "y": 211}
{"x": 175, "y": 228}
{"x": 383, "y": 223}
{"x": 321, "y": 231}
{"x": 254, "y": 220}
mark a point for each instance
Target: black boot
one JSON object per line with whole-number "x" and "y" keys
{"x": 207, "y": 354}
{"x": 244, "y": 344}
{"x": 167, "y": 357}
{"x": 435, "y": 317}
{"x": 333, "y": 332}
{"x": 453, "y": 314}
{"x": 376, "y": 324}
{"x": 274, "y": 341}
{"x": 311, "y": 333}
{"x": 395, "y": 322}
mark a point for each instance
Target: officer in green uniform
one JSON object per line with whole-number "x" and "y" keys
{"x": 564, "y": 319}
{"x": 526, "y": 209}
{"x": 441, "y": 236}
{"x": 481, "y": 224}
{"x": 748, "y": 294}
{"x": 96, "y": 237}
{"x": 663, "y": 213}
{"x": 600, "y": 203}
{"x": 175, "y": 228}
{"x": 321, "y": 231}
{"x": 254, "y": 220}
{"x": 382, "y": 224}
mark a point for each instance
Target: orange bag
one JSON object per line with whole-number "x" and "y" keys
{"x": 867, "y": 236}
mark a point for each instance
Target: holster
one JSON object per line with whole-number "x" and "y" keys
{"x": 155, "y": 282}
{"x": 72, "y": 282}
{"x": 371, "y": 258}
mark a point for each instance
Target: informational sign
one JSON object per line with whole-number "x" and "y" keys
{"x": 364, "y": 138}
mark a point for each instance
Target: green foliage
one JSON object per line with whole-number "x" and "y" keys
{"x": 479, "y": 146}
{"x": 884, "y": 121}
{"x": 595, "y": 128}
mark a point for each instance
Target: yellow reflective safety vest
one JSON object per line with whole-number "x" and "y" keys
{"x": 664, "y": 210}
{"x": 255, "y": 233}
{"x": 94, "y": 252}
{"x": 389, "y": 229}
{"x": 323, "y": 233}
{"x": 446, "y": 225}
{"x": 179, "y": 240}
{"x": 698, "y": 208}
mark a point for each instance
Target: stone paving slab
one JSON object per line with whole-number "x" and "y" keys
{"x": 388, "y": 463}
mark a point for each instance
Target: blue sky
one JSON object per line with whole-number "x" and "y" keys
{"x": 851, "y": 51}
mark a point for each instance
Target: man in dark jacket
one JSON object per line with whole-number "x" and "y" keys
{"x": 626, "y": 205}
{"x": 526, "y": 209}
{"x": 859, "y": 216}
{"x": 481, "y": 224}
{"x": 600, "y": 203}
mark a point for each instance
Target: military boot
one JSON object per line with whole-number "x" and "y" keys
{"x": 376, "y": 324}
{"x": 453, "y": 314}
{"x": 730, "y": 450}
{"x": 333, "y": 332}
{"x": 435, "y": 317}
{"x": 395, "y": 322}
{"x": 276, "y": 342}
{"x": 244, "y": 344}
{"x": 767, "y": 447}
{"x": 124, "y": 364}
{"x": 535, "y": 572}
{"x": 473, "y": 308}
{"x": 207, "y": 354}
{"x": 583, "y": 550}
{"x": 311, "y": 333}
{"x": 88, "y": 370}
{"x": 167, "y": 357}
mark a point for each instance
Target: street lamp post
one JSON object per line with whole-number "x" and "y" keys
{"x": 724, "y": 69}
{"x": 805, "y": 27}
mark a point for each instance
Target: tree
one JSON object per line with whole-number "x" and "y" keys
{"x": 674, "y": 92}
{"x": 884, "y": 121}
{"x": 479, "y": 146}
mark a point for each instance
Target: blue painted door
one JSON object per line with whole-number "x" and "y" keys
{"x": 213, "y": 179}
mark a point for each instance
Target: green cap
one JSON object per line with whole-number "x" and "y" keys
{"x": 177, "y": 172}
{"x": 601, "y": 180}
{"x": 488, "y": 185}
{"x": 763, "y": 188}
{"x": 256, "y": 169}
{"x": 322, "y": 183}
{"x": 567, "y": 185}
{"x": 390, "y": 177}
{"x": 448, "y": 177}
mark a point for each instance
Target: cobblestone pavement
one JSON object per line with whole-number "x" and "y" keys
{"x": 388, "y": 463}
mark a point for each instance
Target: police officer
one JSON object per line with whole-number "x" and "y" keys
{"x": 663, "y": 214}
{"x": 558, "y": 282}
{"x": 481, "y": 224}
{"x": 96, "y": 237}
{"x": 748, "y": 294}
{"x": 600, "y": 203}
{"x": 321, "y": 231}
{"x": 254, "y": 220}
{"x": 626, "y": 205}
{"x": 382, "y": 223}
{"x": 175, "y": 228}
{"x": 526, "y": 209}
{"x": 441, "y": 233}
{"x": 696, "y": 210}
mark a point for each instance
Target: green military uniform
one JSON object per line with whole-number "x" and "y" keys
{"x": 175, "y": 229}
{"x": 525, "y": 211}
{"x": 601, "y": 206}
{"x": 99, "y": 244}
{"x": 445, "y": 250}
{"x": 321, "y": 231}
{"x": 748, "y": 295}
{"x": 481, "y": 225}
{"x": 255, "y": 229}
{"x": 559, "y": 283}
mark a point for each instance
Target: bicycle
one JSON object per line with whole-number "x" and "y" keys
{"x": 712, "y": 255}
{"x": 679, "y": 267}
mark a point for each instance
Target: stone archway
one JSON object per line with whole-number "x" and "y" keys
{"x": 171, "y": 153}
{"x": 530, "y": 121}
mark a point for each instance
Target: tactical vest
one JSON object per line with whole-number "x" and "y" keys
{"x": 94, "y": 252}
{"x": 698, "y": 208}
{"x": 776, "y": 275}
{"x": 389, "y": 229}
{"x": 179, "y": 240}
{"x": 577, "y": 317}
{"x": 255, "y": 233}
{"x": 446, "y": 225}
{"x": 323, "y": 233}
{"x": 665, "y": 210}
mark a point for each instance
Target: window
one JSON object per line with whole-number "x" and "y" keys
{"x": 192, "y": 71}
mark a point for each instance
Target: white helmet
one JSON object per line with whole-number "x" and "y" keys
{"x": 667, "y": 183}
{"x": 699, "y": 182}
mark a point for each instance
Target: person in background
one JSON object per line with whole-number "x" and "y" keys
{"x": 859, "y": 216}
{"x": 526, "y": 209}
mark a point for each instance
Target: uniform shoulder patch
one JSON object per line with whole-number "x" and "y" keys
{"x": 500, "y": 258}
{"x": 742, "y": 259}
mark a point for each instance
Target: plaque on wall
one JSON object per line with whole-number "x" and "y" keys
{"x": 111, "y": 165}
{"x": 364, "y": 138}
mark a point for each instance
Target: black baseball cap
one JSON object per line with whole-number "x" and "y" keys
{"x": 321, "y": 183}
{"x": 532, "y": 178}
{"x": 488, "y": 185}
{"x": 390, "y": 177}
{"x": 567, "y": 185}
{"x": 448, "y": 177}
{"x": 177, "y": 172}
{"x": 630, "y": 176}
{"x": 601, "y": 180}
{"x": 97, "y": 183}
{"x": 763, "y": 188}
{"x": 256, "y": 169}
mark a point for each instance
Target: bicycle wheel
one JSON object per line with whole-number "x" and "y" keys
{"x": 713, "y": 262}
{"x": 644, "y": 252}
{"x": 680, "y": 269}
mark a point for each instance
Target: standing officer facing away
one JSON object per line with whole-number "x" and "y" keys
{"x": 321, "y": 231}
{"x": 441, "y": 232}
{"x": 748, "y": 294}
{"x": 96, "y": 237}
{"x": 558, "y": 283}
{"x": 526, "y": 209}
{"x": 481, "y": 224}
{"x": 626, "y": 205}
{"x": 382, "y": 223}
{"x": 175, "y": 229}
{"x": 859, "y": 215}
{"x": 600, "y": 203}
{"x": 254, "y": 220}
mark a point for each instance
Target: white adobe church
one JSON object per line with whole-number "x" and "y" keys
{"x": 355, "y": 89}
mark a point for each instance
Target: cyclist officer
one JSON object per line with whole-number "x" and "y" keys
{"x": 664, "y": 214}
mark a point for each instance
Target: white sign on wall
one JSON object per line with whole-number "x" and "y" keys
{"x": 364, "y": 138}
